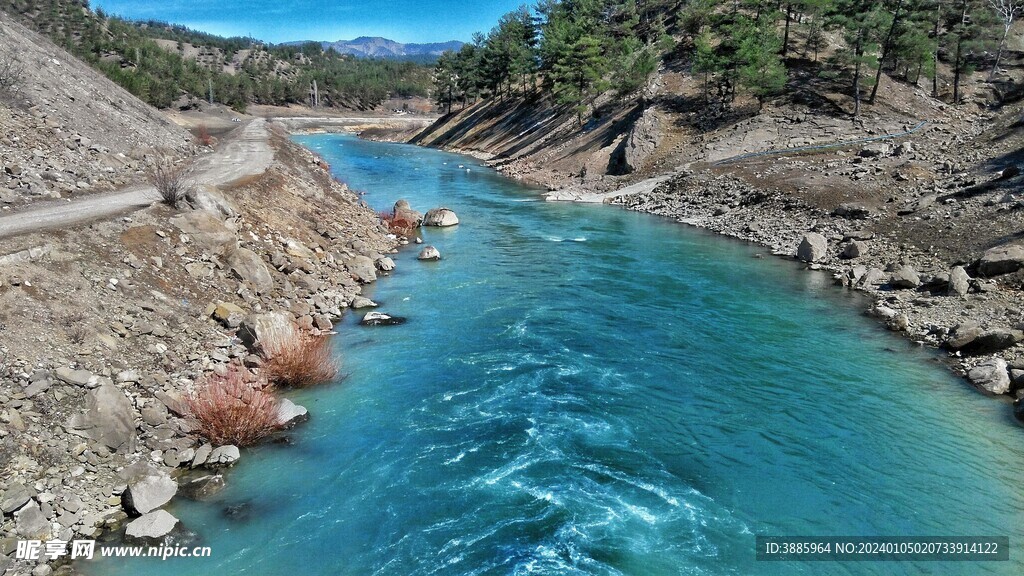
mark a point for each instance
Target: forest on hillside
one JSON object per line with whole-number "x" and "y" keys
{"x": 128, "y": 52}
{"x": 575, "y": 50}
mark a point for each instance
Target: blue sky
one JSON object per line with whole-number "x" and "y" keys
{"x": 286, "y": 20}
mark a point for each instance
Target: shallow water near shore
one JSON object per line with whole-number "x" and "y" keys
{"x": 585, "y": 390}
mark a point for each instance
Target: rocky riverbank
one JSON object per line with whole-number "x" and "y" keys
{"x": 108, "y": 328}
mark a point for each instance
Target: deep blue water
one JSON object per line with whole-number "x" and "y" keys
{"x": 584, "y": 390}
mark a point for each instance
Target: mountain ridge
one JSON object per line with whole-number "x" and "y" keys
{"x": 380, "y": 47}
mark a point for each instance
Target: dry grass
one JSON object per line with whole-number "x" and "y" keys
{"x": 300, "y": 361}
{"x": 232, "y": 409}
{"x": 172, "y": 181}
{"x": 203, "y": 136}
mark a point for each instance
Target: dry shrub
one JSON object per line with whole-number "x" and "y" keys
{"x": 232, "y": 409}
{"x": 203, "y": 136}
{"x": 300, "y": 361}
{"x": 396, "y": 225}
{"x": 12, "y": 74}
{"x": 172, "y": 181}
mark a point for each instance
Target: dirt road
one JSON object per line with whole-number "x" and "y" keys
{"x": 246, "y": 154}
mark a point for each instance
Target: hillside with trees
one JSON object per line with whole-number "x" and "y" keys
{"x": 576, "y": 50}
{"x": 168, "y": 65}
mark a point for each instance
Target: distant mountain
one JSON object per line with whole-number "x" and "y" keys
{"x": 376, "y": 47}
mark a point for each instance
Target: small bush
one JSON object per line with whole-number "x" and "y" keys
{"x": 171, "y": 180}
{"x": 12, "y": 74}
{"x": 203, "y": 136}
{"x": 300, "y": 361}
{"x": 396, "y": 225}
{"x": 232, "y": 409}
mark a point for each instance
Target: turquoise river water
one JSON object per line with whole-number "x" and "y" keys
{"x": 585, "y": 390}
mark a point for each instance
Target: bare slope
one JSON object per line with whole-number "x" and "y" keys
{"x": 68, "y": 129}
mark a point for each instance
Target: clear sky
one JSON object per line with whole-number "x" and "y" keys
{"x": 287, "y": 20}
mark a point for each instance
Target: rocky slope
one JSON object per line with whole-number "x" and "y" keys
{"x": 67, "y": 130}
{"x": 106, "y": 328}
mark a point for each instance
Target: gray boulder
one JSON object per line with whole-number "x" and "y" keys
{"x": 440, "y": 217}
{"x": 991, "y": 376}
{"x": 362, "y": 268}
{"x": 905, "y": 278}
{"x": 429, "y": 253}
{"x": 978, "y": 342}
{"x": 149, "y": 492}
{"x": 290, "y": 413}
{"x": 249, "y": 267}
{"x": 31, "y": 523}
{"x": 16, "y": 496}
{"x": 854, "y": 249}
{"x": 153, "y": 525}
{"x": 207, "y": 230}
{"x": 109, "y": 419}
{"x": 385, "y": 264}
{"x": 362, "y": 302}
{"x": 223, "y": 456}
{"x": 266, "y": 330}
{"x": 76, "y": 377}
{"x": 873, "y": 277}
{"x": 959, "y": 282}
{"x": 381, "y": 319}
{"x": 813, "y": 248}
{"x": 1001, "y": 260}
{"x": 852, "y": 211}
{"x": 202, "y": 487}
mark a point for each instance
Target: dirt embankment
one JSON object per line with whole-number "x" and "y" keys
{"x": 929, "y": 223}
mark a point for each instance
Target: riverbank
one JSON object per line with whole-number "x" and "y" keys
{"x": 109, "y": 327}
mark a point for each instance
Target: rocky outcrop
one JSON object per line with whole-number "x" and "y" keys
{"x": 640, "y": 142}
{"x": 440, "y": 217}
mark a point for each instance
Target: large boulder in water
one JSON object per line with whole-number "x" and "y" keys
{"x": 404, "y": 212}
{"x": 151, "y": 526}
{"x": 991, "y": 376}
{"x": 149, "y": 491}
{"x": 440, "y": 217}
{"x": 429, "y": 253}
{"x": 813, "y": 248}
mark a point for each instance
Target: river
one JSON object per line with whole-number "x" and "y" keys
{"x": 585, "y": 390}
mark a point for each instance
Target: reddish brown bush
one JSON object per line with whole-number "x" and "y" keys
{"x": 300, "y": 361}
{"x": 232, "y": 409}
{"x": 397, "y": 226}
{"x": 203, "y": 136}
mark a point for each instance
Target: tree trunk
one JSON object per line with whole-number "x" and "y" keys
{"x": 935, "y": 54}
{"x": 886, "y": 48}
{"x": 1002, "y": 44}
{"x": 858, "y": 53}
{"x": 785, "y": 36}
{"x": 958, "y": 62}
